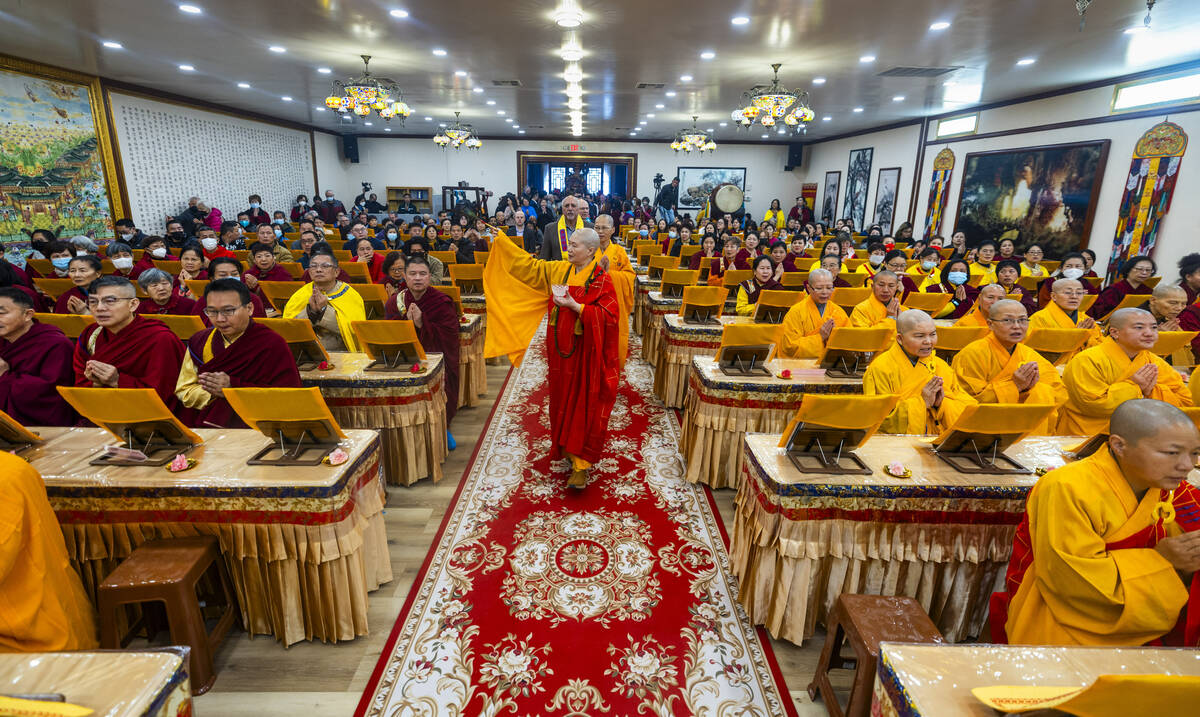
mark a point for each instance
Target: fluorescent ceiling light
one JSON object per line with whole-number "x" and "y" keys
{"x": 244, "y": 85}
{"x": 660, "y": 106}
{"x": 319, "y": 109}
{"x": 650, "y": 115}
{"x": 399, "y": 13}
{"x": 278, "y": 49}
{"x": 866, "y": 58}
{"x": 387, "y": 129}
{"x": 491, "y": 102}
{"x": 898, "y": 98}
{"x": 1158, "y": 92}
{"x": 460, "y": 73}
{"x": 858, "y": 109}
{"x": 939, "y": 26}
{"x": 818, "y": 80}
{"x": 521, "y": 132}
{"x": 113, "y": 45}
{"x": 723, "y": 124}
{"x": 957, "y": 125}
{"x": 707, "y": 55}
{"x": 764, "y": 136}
{"x": 428, "y": 119}
{"x": 439, "y": 52}
{"x": 190, "y": 9}
{"x": 1026, "y": 61}
{"x": 670, "y": 93}
{"x": 369, "y": 124}
{"x": 500, "y": 112}
{"x": 685, "y": 78}
{"x": 740, "y": 20}
{"x": 187, "y": 68}
{"x": 477, "y": 90}
{"x": 285, "y": 98}
{"x": 826, "y": 118}
{"x": 324, "y": 70}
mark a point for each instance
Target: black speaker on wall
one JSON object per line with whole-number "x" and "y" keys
{"x": 795, "y": 156}
{"x": 350, "y": 148}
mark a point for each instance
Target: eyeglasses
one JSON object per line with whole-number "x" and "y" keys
{"x": 1011, "y": 322}
{"x": 107, "y": 301}
{"x": 312, "y": 267}
{"x": 224, "y": 313}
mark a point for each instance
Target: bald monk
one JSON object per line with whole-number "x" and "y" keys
{"x": 930, "y": 397}
{"x": 122, "y": 349}
{"x": 978, "y": 315}
{"x": 1063, "y": 312}
{"x": 1166, "y": 305}
{"x": 883, "y": 305}
{"x": 1095, "y": 562}
{"x": 42, "y": 604}
{"x": 1000, "y": 369}
{"x": 1121, "y": 368}
{"x": 808, "y": 324}
{"x": 623, "y": 278}
{"x": 35, "y": 359}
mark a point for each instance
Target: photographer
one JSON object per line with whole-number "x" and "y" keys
{"x": 667, "y": 200}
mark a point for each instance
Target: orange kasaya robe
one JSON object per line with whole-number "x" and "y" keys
{"x": 873, "y": 312}
{"x": 985, "y": 370}
{"x": 800, "y": 335}
{"x": 620, "y": 270}
{"x": 1098, "y": 380}
{"x": 1084, "y": 570}
{"x": 894, "y": 371}
{"x": 974, "y": 317}
{"x": 1053, "y": 317}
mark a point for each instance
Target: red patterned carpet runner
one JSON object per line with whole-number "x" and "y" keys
{"x": 537, "y": 599}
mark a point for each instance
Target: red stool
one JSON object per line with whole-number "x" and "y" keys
{"x": 167, "y": 571}
{"x": 864, "y": 621}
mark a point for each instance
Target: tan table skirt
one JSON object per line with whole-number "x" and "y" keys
{"x": 712, "y": 436}
{"x": 674, "y": 365}
{"x": 472, "y": 370}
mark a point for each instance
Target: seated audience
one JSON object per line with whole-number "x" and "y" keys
{"x": 748, "y": 253}
{"x": 762, "y": 279}
{"x": 1030, "y": 265}
{"x": 925, "y": 273}
{"x": 832, "y": 263}
{"x": 954, "y": 276}
{"x": 807, "y": 325}
{"x": 121, "y": 255}
{"x": 421, "y": 247}
{"x": 280, "y": 222}
{"x": 436, "y": 320}
{"x": 1134, "y": 274}
{"x": 329, "y": 304}
{"x": 35, "y": 359}
{"x": 978, "y": 315}
{"x": 359, "y": 230}
{"x": 1008, "y": 272}
{"x": 128, "y": 233}
{"x": 11, "y": 277}
{"x": 393, "y": 272}
{"x": 155, "y": 249}
{"x": 163, "y": 297}
{"x": 256, "y": 214}
{"x": 883, "y": 305}
{"x": 223, "y": 268}
{"x": 1189, "y": 276}
{"x": 706, "y": 255}
{"x": 266, "y": 235}
{"x": 982, "y": 266}
{"x": 192, "y": 265}
{"x": 263, "y": 267}
{"x": 176, "y": 236}
{"x": 896, "y": 262}
{"x": 365, "y": 254}
{"x": 83, "y": 270}
{"x": 876, "y": 252}
{"x": 1165, "y": 304}
{"x": 231, "y": 237}
{"x": 60, "y": 253}
{"x": 723, "y": 263}
{"x": 1062, "y": 311}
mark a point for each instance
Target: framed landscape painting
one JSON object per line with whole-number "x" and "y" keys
{"x": 858, "y": 180}
{"x": 1043, "y": 194}
{"x": 697, "y": 183}
{"x": 886, "y": 188}
{"x": 829, "y": 199}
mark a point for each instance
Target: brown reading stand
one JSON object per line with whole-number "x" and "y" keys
{"x": 296, "y": 420}
{"x": 15, "y": 438}
{"x": 773, "y": 305}
{"x": 391, "y": 345}
{"x": 659, "y": 264}
{"x": 702, "y": 305}
{"x": 301, "y": 339}
{"x": 850, "y": 349}
{"x": 823, "y": 434}
{"x": 744, "y": 360}
{"x": 975, "y": 443}
{"x": 1056, "y": 345}
{"x": 674, "y": 281}
{"x": 467, "y": 277}
{"x": 138, "y": 418}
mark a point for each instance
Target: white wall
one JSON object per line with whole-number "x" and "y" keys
{"x": 386, "y": 161}
{"x": 170, "y": 153}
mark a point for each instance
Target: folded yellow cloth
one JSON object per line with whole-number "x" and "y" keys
{"x": 1108, "y": 696}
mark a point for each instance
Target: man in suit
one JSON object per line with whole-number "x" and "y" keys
{"x": 555, "y": 235}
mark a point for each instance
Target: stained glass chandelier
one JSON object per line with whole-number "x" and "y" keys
{"x": 362, "y": 95}
{"x": 774, "y": 104}
{"x": 687, "y": 140}
{"x": 458, "y": 136}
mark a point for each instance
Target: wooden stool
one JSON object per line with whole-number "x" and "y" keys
{"x": 167, "y": 571}
{"x": 864, "y": 621}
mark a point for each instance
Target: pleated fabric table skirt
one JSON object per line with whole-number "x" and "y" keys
{"x": 472, "y": 370}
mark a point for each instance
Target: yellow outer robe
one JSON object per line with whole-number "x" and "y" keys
{"x": 987, "y": 272}
{"x": 1053, "y": 317}
{"x": 1076, "y": 591}
{"x": 894, "y": 372}
{"x": 623, "y": 278}
{"x": 985, "y": 368}
{"x": 974, "y": 317}
{"x": 42, "y": 604}
{"x": 800, "y": 335}
{"x": 1038, "y": 271}
{"x": 1097, "y": 381}
{"x": 345, "y": 301}
{"x": 517, "y": 287}
{"x": 873, "y": 312}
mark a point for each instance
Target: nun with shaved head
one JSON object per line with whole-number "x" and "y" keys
{"x": 1107, "y": 543}
{"x": 1119, "y": 369}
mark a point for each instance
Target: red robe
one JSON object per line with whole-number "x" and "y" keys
{"x": 146, "y": 353}
{"x": 374, "y": 267}
{"x": 963, "y": 307}
{"x": 695, "y": 259}
{"x": 583, "y": 368}
{"x": 259, "y": 358}
{"x": 176, "y": 305}
{"x": 438, "y": 333}
{"x": 258, "y": 311}
{"x": 60, "y": 304}
{"x": 1189, "y": 320}
{"x": 1110, "y": 297}
{"x": 742, "y": 260}
{"x": 38, "y": 363}
{"x": 147, "y": 262}
{"x": 277, "y": 273}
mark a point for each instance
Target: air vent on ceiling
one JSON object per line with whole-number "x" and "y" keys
{"x": 917, "y": 71}
{"x": 650, "y": 85}
{"x": 506, "y": 83}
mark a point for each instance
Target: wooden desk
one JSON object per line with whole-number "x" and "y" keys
{"x": 720, "y": 410}
{"x": 304, "y": 544}
{"x": 680, "y": 343}
{"x": 472, "y": 371}
{"x": 928, "y": 680}
{"x": 942, "y": 537}
{"x": 643, "y": 285}
{"x": 408, "y": 410}
{"x": 150, "y": 683}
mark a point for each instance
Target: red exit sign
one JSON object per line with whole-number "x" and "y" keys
{"x": 573, "y": 147}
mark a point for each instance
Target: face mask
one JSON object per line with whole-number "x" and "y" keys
{"x": 123, "y": 262}
{"x": 644, "y": 232}
{"x": 329, "y": 197}
{"x": 672, "y": 234}
{"x": 277, "y": 221}
{"x": 255, "y": 205}
{"x": 61, "y": 262}
{"x": 80, "y": 252}
{"x": 391, "y": 236}
{"x": 158, "y": 253}
{"x": 209, "y": 243}
{"x": 1072, "y": 273}
{"x": 245, "y": 222}
{"x": 928, "y": 265}
{"x": 278, "y": 233}
{"x": 127, "y": 237}
{"x": 303, "y": 202}
{"x": 958, "y": 278}
{"x": 177, "y": 236}
{"x": 875, "y": 259}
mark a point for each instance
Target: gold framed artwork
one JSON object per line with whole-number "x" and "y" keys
{"x": 57, "y": 166}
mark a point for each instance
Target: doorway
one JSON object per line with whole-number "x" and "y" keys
{"x": 608, "y": 173}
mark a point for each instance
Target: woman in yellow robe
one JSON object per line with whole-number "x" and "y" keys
{"x": 347, "y": 305}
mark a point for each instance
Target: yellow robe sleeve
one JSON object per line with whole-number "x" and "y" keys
{"x": 744, "y": 307}
{"x": 1170, "y": 386}
{"x": 1090, "y": 390}
{"x": 623, "y": 278}
{"x": 349, "y": 307}
{"x": 517, "y": 287}
{"x": 883, "y": 377}
{"x": 797, "y": 339}
{"x": 187, "y": 386}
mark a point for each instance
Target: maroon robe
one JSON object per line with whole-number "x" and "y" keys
{"x": 947, "y": 288}
{"x": 60, "y": 304}
{"x": 257, "y": 310}
{"x": 396, "y": 284}
{"x": 147, "y": 262}
{"x": 38, "y": 363}
{"x": 146, "y": 353}
{"x": 1112, "y": 296}
{"x": 719, "y": 266}
{"x": 181, "y": 285}
{"x": 438, "y": 333}
{"x": 789, "y": 261}
{"x": 176, "y": 305}
{"x": 277, "y": 273}
{"x": 1192, "y": 294}
{"x": 907, "y": 285}
{"x": 742, "y": 260}
{"x": 753, "y": 288}
{"x": 1028, "y": 298}
{"x": 258, "y": 358}
{"x": 1189, "y": 320}
{"x": 697, "y": 258}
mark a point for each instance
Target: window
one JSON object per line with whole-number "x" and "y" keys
{"x": 558, "y": 178}
{"x": 956, "y": 126}
{"x": 1158, "y": 92}
{"x": 594, "y": 179}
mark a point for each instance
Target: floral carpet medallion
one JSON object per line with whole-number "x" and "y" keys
{"x": 539, "y": 599}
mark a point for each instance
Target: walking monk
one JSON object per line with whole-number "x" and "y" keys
{"x": 581, "y": 337}
{"x": 623, "y": 278}
{"x": 1099, "y": 555}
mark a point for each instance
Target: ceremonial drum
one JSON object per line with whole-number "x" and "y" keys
{"x": 726, "y": 199}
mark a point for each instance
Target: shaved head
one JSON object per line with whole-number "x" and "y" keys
{"x": 820, "y": 274}
{"x": 1164, "y": 291}
{"x": 1003, "y": 306}
{"x": 993, "y": 289}
{"x": 1137, "y": 419}
{"x": 1154, "y": 443}
{"x": 1123, "y": 317}
{"x": 1062, "y": 285}
{"x": 911, "y": 320}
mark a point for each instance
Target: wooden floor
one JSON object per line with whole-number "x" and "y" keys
{"x": 259, "y": 677}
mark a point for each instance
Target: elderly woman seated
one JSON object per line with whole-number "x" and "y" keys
{"x": 163, "y": 299}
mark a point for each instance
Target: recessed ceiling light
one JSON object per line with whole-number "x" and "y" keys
{"x": 477, "y": 90}
{"x": 190, "y": 9}
{"x": 324, "y": 70}
{"x": 898, "y": 98}
{"x": 740, "y": 20}
{"x": 319, "y": 109}
{"x": 500, "y": 112}
{"x": 939, "y": 26}
{"x": 428, "y": 119}
{"x": 521, "y": 132}
{"x": 723, "y": 124}
{"x": 508, "y": 119}
{"x": 660, "y": 107}
{"x": 441, "y": 124}
{"x": 685, "y": 78}
{"x": 650, "y": 115}
{"x": 1128, "y": 31}
{"x": 1026, "y": 61}
{"x": 568, "y": 14}
{"x": 858, "y": 109}
{"x": 113, "y": 45}
{"x": 670, "y": 93}
{"x": 369, "y": 124}
{"x": 516, "y": 126}
{"x": 818, "y": 80}
{"x": 572, "y": 72}
{"x": 633, "y": 134}
{"x": 781, "y": 131}
{"x": 710, "y": 129}
{"x": 866, "y": 58}
{"x": 387, "y": 129}
{"x": 439, "y": 52}
{"x": 244, "y": 85}
{"x": 764, "y": 136}
{"x": 826, "y": 118}
{"x": 707, "y": 55}
{"x": 285, "y": 98}
{"x": 460, "y": 73}
{"x": 277, "y": 49}
{"x": 399, "y": 13}
{"x": 491, "y": 102}
{"x": 642, "y": 122}
{"x": 187, "y": 68}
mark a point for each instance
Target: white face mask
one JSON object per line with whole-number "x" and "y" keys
{"x": 1072, "y": 273}
{"x": 127, "y": 237}
{"x": 123, "y": 262}
{"x": 81, "y": 252}
{"x": 158, "y": 253}
{"x": 209, "y": 243}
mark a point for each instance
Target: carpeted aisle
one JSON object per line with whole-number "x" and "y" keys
{"x": 537, "y": 599}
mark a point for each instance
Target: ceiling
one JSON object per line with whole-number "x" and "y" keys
{"x": 625, "y": 43}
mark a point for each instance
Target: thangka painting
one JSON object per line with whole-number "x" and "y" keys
{"x": 886, "y": 189}
{"x": 1044, "y": 194}
{"x": 56, "y": 168}
{"x": 858, "y": 180}
{"x": 830, "y": 197}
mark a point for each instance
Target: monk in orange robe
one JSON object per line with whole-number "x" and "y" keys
{"x": 620, "y": 270}
{"x": 1063, "y": 313}
{"x": 978, "y": 315}
{"x": 581, "y": 340}
{"x": 883, "y": 305}
{"x": 808, "y": 324}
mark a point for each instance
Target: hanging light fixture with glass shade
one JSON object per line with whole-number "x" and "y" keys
{"x": 770, "y": 105}
{"x": 367, "y": 93}
{"x": 693, "y": 139}
{"x": 458, "y": 136}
